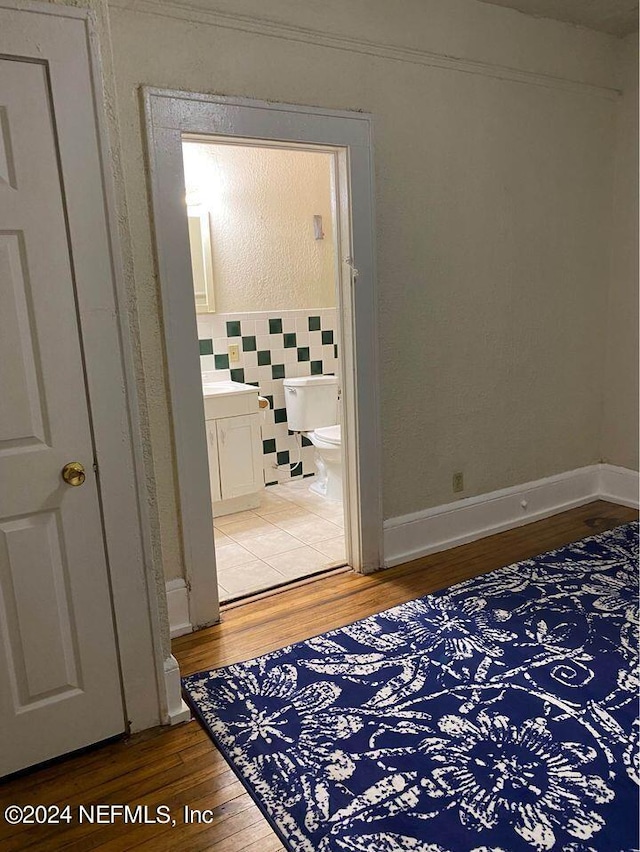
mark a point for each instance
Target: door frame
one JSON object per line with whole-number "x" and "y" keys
{"x": 169, "y": 115}
{"x": 65, "y": 39}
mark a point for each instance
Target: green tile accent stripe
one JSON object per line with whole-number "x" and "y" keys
{"x": 264, "y": 357}
{"x": 289, "y": 340}
{"x": 206, "y": 347}
{"x": 314, "y": 323}
{"x": 221, "y": 362}
{"x": 303, "y": 353}
{"x": 249, "y": 343}
{"x": 327, "y": 337}
{"x": 275, "y": 326}
{"x": 233, "y": 328}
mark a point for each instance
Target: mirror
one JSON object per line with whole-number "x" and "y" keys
{"x": 201, "y": 260}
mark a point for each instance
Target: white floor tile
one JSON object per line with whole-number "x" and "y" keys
{"x": 333, "y": 548}
{"x": 224, "y": 520}
{"x": 298, "y": 563}
{"x": 291, "y": 511}
{"x": 293, "y": 534}
{"x": 249, "y": 528}
{"x": 250, "y": 577}
{"x": 335, "y": 514}
{"x": 308, "y": 528}
{"x": 270, "y": 503}
{"x": 271, "y": 544}
{"x": 230, "y": 555}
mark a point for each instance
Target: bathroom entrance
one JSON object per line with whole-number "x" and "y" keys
{"x": 265, "y": 246}
{"x": 251, "y": 428}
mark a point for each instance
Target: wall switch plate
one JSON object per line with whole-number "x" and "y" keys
{"x": 458, "y": 482}
{"x": 234, "y": 353}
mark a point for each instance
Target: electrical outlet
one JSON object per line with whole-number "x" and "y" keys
{"x": 234, "y": 353}
{"x": 458, "y": 482}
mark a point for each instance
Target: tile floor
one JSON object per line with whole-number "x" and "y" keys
{"x": 294, "y": 533}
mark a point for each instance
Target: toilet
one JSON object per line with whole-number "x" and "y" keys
{"x": 312, "y": 409}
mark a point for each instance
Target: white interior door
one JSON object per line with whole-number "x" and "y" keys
{"x": 59, "y": 678}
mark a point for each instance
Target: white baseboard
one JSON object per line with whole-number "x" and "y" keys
{"x": 619, "y": 485}
{"x": 412, "y": 536}
{"x": 177, "y": 710}
{"x": 178, "y": 608}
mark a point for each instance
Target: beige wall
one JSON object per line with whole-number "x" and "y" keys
{"x": 261, "y": 203}
{"x": 493, "y": 192}
{"x": 620, "y": 423}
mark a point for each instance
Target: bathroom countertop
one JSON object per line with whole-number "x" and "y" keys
{"x": 227, "y": 388}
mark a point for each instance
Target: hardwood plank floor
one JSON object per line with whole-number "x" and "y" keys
{"x": 180, "y": 767}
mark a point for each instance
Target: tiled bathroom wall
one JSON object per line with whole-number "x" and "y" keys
{"x": 273, "y": 346}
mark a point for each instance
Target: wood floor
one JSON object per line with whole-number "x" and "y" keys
{"x": 180, "y": 766}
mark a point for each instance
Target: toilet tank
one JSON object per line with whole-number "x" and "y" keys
{"x": 311, "y": 402}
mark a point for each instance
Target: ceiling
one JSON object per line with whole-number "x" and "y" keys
{"x": 617, "y": 17}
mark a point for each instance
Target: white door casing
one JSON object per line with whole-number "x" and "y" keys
{"x": 60, "y": 43}
{"x": 169, "y": 116}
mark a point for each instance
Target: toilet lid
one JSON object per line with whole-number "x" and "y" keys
{"x": 330, "y": 434}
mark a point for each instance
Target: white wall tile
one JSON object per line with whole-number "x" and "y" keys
{"x": 249, "y": 359}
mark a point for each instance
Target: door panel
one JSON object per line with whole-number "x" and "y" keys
{"x": 239, "y": 455}
{"x": 45, "y": 661}
{"x": 23, "y": 420}
{"x": 59, "y": 678}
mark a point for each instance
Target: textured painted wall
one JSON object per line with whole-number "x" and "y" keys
{"x": 261, "y": 203}
{"x": 620, "y": 424}
{"x": 492, "y": 220}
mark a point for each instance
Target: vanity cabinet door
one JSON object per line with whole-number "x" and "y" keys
{"x": 214, "y": 465}
{"x": 239, "y": 455}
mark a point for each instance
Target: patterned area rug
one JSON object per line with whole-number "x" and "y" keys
{"x": 496, "y": 716}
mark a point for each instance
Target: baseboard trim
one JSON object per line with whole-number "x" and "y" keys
{"x": 178, "y": 608}
{"x": 443, "y": 527}
{"x": 177, "y": 710}
{"x": 619, "y": 485}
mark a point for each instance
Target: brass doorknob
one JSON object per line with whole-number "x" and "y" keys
{"x": 73, "y": 473}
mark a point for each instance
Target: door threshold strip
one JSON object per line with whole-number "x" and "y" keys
{"x": 284, "y": 587}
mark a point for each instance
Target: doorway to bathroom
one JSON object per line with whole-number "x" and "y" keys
{"x": 265, "y": 246}
{"x": 171, "y": 119}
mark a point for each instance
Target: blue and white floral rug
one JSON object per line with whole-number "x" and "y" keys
{"x": 496, "y": 716}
